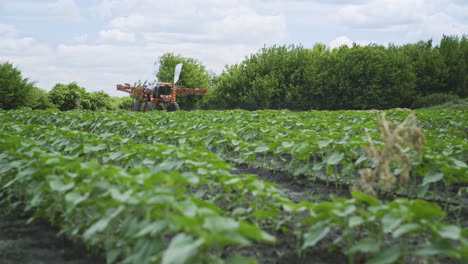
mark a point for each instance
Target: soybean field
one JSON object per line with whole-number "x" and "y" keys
{"x": 269, "y": 186}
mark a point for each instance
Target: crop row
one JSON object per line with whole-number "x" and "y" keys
{"x": 159, "y": 202}
{"x": 133, "y": 213}
{"x": 325, "y": 145}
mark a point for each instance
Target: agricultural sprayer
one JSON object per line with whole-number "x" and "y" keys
{"x": 160, "y": 95}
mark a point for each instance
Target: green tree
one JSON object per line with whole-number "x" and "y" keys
{"x": 122, "y": 102}
{"x": 429, "y": 67}
{"x": 300, "y": 79}
{"x": 371, "y": 77}
{"x": 193, "y": 75}
{"x": 272, "y": 78}
{"x": 69, "y": 96}
{"x": 455, "y": 53}
{"x": 15, "y": 91}
{"x": 98, "y": 101}
{"x": 39, "y": 99}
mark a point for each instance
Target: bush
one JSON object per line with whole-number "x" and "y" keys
{"x": 433, "y": 99}
{"x": 15, "y": 91}
{"x": 98, "y": 101}
{"x": 122, "y": 102}
{"x": 69, "y": 96}
{"x": 39, "y": 99}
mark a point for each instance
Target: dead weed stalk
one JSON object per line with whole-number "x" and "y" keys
{"x": 401, "y": 149}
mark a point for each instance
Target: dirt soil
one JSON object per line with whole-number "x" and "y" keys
{"x": 284, "y": 251}
{"x": 297, "y": 189}
{"x": 37, "y": 243}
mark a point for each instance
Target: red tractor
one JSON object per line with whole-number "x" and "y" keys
{"x": 159, "y": 96}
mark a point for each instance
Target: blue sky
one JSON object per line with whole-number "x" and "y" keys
{"x": 100, "y": 43}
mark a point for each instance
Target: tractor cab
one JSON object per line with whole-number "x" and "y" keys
{"x": 162, "y": 91}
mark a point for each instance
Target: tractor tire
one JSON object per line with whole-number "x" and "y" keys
{"x": 173, "y": 107}
{"x": 160, "y": 107}
{"x": 148, "y": 107}
{"x": 135, "y": 107}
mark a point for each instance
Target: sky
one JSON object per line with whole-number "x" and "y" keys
{"x": 101, "y": 43}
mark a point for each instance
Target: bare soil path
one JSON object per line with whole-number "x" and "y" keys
{"x": 37, "y": 243}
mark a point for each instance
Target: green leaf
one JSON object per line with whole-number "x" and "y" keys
{"x": 387, "y": 256}
{"x": 263, "y": 214}
{"x": 362, "y": 197}
{"x": 102, "y": 223}
{"x": 261, "y": 149}
{"x": 125, "y": 197}
{"x": 52, "y": 161}
{"x": 255, "y": 232}
{"x": 355, "y": 221}
{"x": 315, "y": 234}
{"x": 152, "y": 228}
{"x": 219, "y": 224}
{"x": 450, "y": 232}
{"x": 438, "y": 247}
{"x": 431, "y": 176}
{"x": 347, "y": 211}
{"x": 459, "y": 163}
{"x": 360, "y": 160}
{"x": 58, "y": 185}
{"x": 88, "y": 148}
{"x": 324, "y": 143}
{"x": 74, "y": 198}
{"x": 390, "y": 222}
{"x": 426, "y": 210}
{"x": 317, "y": 166}
{"x": 366, "y": 245}
{"x": 404, "y": 229}
{"x": 335, "y": 158}
{"x": 181, "y": 249}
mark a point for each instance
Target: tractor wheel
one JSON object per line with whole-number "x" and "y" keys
{"x": 173, "y": 107}
{"x": 135, "y": 107}
{"x": 148, "y": 107}
{"x": 160, "y": 107}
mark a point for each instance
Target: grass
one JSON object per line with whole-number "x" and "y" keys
{"x": 460, "y": 104}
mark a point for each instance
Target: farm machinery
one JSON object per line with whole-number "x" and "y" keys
{"x": 159, "y": 95}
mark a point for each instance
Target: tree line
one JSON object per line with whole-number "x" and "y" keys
{"x": 17, "y": 92}
{"x": 287, "y": 77}
{"x": 357, "y": 77}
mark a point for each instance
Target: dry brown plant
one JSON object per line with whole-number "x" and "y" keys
{"x": 402, "y": 144}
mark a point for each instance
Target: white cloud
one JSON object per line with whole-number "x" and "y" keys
{"x": 234, "y": 21}
{"x": 65, "y": 10}
{"x": 80, "y": 38}
{"x": 345, "y": 41}
{"x": 7, "y": 31}
{"x": 382, "y": 13}
{"x": 103, "y": 9}
{"x": 244, "y": 25}
{"x": 116, "y": 35}
{"x": 436, "y": 25}
{"x": 107, "y": 8}
{"x": 340, "y": 41}
{"x": 12, "y": 44}
{"x": 131, "y": 22}
{"x": 460, "y": 10}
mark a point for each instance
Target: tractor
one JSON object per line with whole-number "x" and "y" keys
{"x": 159, "y": 95}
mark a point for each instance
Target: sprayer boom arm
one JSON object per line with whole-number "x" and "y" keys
{"x": 176, "y": 89}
